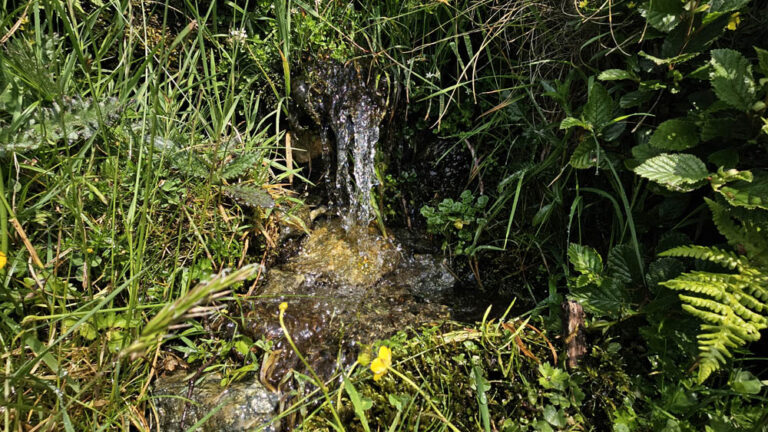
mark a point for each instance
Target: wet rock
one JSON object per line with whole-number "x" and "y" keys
{"x": 427, "y": 277}
{"x": 306, "y": 144}
{"x": 239, "y": 407}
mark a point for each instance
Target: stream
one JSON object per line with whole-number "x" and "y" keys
{"x": 346, "y": 285}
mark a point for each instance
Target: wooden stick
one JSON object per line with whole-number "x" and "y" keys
{"x": 573, "y": 323}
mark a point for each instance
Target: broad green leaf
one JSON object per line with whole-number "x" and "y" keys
{"x": 675, "y": 134}
{"x": 762, "y": 57}
{"x": 663, "y": 269}
{"x": 584, "y": 259}
{"x": 635, "y": 98}
{"x": 745, "y": 382}
{"x": 609, "y": 299}
{"x": 622, "y": 264}
{"x": 661, "y": 21}
{"x": 663, "y": 15}
{"x": 675, "y": 171}
{"x": 599, "y": 107}
{"x": 750, "y": 195}
{"x": 645, "y": 151}
{"x": 554, "y": 416}
{"x": 614, "y": 75}
{"x": 586, "y": 155}
{"x": 719, "y": 126}
{"x": 726, "y": 5}
{"x": 731, "y": 78}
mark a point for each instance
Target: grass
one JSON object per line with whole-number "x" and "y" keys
{"x": 127, "y": 215}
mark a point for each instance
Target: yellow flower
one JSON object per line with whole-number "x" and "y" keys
{"x": 734, "y": 21}
{"x": 283, "y": 306}
{"x": 380, "y": 364}
{"x": 583, "y": 4}
{"x": 3, "y": 260}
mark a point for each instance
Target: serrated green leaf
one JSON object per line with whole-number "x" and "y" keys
{"x": 88, "y": 331}
{"x": 622, "y": 264}
{"x": 585, "y": 259}
{"x": 190, "y": 164}
{"x": 663, "y": 269}
{"x": 599, "y": 107}
{"x": 609, "y": 298}
{"x": 675, "y": 134}
{"x": 614, "y": 75}
{"x": 240, "y": 165}
{"x": 249, "y": 196}
{"x": 750, "y": 195}
{"x": 570, "y": 122}
{"x": 660, "y": 61}
{"x": 586, "y": 155}
{"x": 554, "y": 416}
{"x": 675, "y": 171}
{"x": 731, "y": 78}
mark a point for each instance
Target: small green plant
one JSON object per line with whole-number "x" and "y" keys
{"x": 457, "y": 220}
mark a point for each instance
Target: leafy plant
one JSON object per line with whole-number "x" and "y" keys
{"x": 456, "y": 219}
{"x": 605, "y": 290}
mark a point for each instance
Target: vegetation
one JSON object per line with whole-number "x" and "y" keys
{"x": 611, "y": 153}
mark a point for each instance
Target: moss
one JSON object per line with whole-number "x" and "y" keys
{"x": 512, "y": 366}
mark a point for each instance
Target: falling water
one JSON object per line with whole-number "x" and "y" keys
{"x": 338, "y": 97}
{"x": 357, "y": 131}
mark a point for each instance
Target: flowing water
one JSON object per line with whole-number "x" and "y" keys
{"x": 348, "y": 110}
{"x": 346, "y": 286}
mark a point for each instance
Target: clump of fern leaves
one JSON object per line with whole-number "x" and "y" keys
{"x": 732, "y": 304}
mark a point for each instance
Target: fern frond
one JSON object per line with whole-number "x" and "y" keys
{"x": 717, "y": 341}
{"x": 749, "y": 236}
{"x": 732, "y": 306}
{"x": 718, "y": 256}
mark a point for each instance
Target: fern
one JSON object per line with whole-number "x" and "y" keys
{"x": 732, "y": 306}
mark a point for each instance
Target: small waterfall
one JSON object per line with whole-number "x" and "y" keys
{"x": 339, "y": 98}
{"x": 356, "y": 126}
